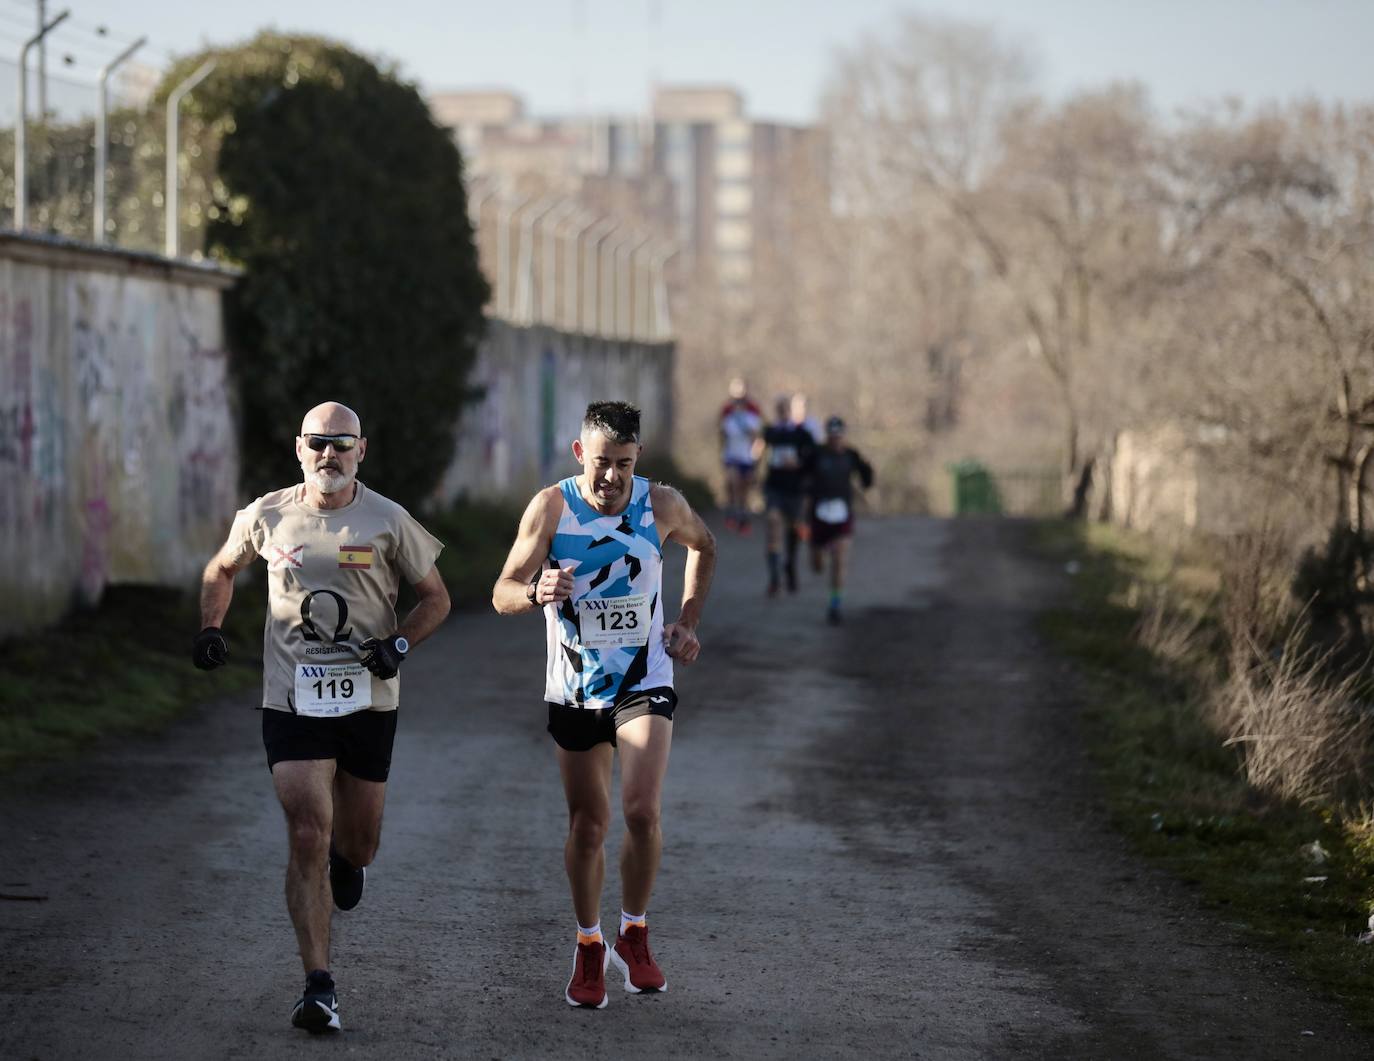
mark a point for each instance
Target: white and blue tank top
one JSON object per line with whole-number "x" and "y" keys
{"x": 605, "y": 642}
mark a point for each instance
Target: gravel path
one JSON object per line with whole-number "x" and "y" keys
{"x": 882, "y": 840}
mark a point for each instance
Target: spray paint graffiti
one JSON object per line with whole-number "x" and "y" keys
{"x": 203, "y": 428}
{"x": 534, "y": 386}
{"x": 115, "y": 425}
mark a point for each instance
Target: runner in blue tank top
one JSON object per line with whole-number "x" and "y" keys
{"x": 590, "y": 553}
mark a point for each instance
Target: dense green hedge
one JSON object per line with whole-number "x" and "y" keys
{"x": 329, "y": 183}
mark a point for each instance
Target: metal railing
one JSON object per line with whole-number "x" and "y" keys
{"x": 552, "y": 261}
{"x": 101, "y": 166}
{"x": 98, "y": 165}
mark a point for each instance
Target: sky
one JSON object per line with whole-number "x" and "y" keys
{"x": 569, "y": 56}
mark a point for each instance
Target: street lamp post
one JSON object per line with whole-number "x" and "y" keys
{"x": 524, "y": 267}
{"x": 636, "y": 300}
{"x": 547, "y": 300}
{"x": 661, "y": 327}
{"x": 173, "y": 225}
{"x": 625, "y": 308}
{"x": 21, "y": 118}
{"x": 476, "y": 200}
{"x": 591, "y": 297}
{"x": 605, "y": 320}
{"x": 102, "y": 138}
{"x": 507, "y": 210}
{"x": 573, "y": 286}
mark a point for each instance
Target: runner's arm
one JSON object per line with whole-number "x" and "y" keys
{"x": 429, "y": 611}
{"x": 217, "y": 585}
{"x": 680, "y": 523}
{"x": 510, "y": 595}
{"x": 864, "y": 469}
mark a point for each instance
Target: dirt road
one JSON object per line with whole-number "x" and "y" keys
{"x": 882, "y": 841}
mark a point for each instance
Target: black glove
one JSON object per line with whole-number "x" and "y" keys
{"x": 384, "y": 657}
{"x": 210, "y": 650}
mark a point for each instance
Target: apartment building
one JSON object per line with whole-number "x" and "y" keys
{"x": 697, "y": 170}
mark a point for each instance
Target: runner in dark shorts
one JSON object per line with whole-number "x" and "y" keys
{"x": 830, "y": 482}
{"x": 789, "y": 447}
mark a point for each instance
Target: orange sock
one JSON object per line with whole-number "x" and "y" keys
{"x": 589, "y": 935}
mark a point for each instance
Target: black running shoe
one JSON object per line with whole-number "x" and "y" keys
{"x": 318, "y": 1009}
{"x": 345, "y": 881}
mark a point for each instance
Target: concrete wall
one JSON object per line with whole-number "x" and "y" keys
{"x": 119, "y": 459}
{"x": 1167, "y": 480}
{"x": 118, "y": 453}
{"x": 534, "y": 386}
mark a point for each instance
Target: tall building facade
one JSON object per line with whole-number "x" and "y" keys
{"x": 697, "y": 171}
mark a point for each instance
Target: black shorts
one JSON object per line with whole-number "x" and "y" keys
{"x": 360, "y": 742}
{"x": 579, "y": 729}
{"x": 823, "y": 534}
{"x": 788, "y": 502}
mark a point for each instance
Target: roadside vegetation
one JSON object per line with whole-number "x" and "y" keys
{"x": 1235, "y": 745}
{"x": 125, "y": 666}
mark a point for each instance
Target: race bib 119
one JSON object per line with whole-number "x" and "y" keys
{"x": 327, "y": 690}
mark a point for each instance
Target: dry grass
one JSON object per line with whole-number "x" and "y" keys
{"x": 1296, "y": 720}
{"x": 1301, "y": 732}
{"x": 1256, "y": 602}
{"x": 1164, "y": 630}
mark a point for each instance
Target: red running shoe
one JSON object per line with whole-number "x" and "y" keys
{"x": 587, "y": 987}
{"x": 631, "y": 956}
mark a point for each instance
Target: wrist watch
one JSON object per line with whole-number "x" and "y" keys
{"x": 400, "y": 644}
{"x": 532, "y": 590}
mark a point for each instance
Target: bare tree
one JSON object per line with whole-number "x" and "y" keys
{"x": 1057, "y": 200}
{"x": 1264, "y": 309}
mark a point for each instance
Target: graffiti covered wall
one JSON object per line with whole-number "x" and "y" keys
{"x": 118, "y": 454}
{"x": 533, "y": 385}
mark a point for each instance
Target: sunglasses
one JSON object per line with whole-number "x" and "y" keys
{"x": 341, "y": 443}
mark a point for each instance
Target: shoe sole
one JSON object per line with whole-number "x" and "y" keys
{"x": 340, "y": 906}
{"x": 624, "y": 967}
{"x": 316, "y": 1019}
{"x": 605, "y": 995}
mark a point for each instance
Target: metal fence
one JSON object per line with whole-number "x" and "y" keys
{"x": 554, "y": 261}
{"x": 60, "y": 158}
{"x": 106, "y": 167}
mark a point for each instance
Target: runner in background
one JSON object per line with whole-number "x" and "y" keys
{"x": 830, "y": 475}
{"x": 740, "y": 424}
{"x": 789, "y": 449}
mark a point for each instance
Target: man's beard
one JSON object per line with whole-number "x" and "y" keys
{"x": 328, "y": 481}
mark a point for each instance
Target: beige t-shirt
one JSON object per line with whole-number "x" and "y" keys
{"x": 332, "y": 578}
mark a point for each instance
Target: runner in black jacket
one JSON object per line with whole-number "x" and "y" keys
{"x": 790, "y": 447}
{"x": 830, "y": 484}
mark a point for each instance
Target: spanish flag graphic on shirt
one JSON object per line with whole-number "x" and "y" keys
{"x": 355, "y": 556}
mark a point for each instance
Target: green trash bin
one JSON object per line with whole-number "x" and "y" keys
{"x": 975, "y": 490}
